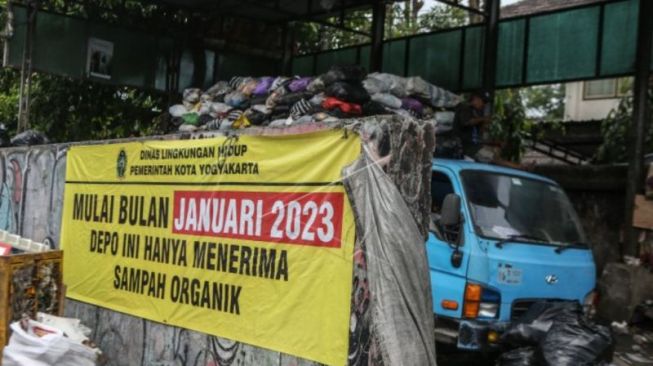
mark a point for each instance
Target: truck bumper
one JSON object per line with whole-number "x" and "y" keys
{"x": 471, "y": 335}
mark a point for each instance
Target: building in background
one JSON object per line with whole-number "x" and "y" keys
{"x": 593, "y": 100}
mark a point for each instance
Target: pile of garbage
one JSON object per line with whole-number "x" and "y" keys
{"x": 556, "y": 334}
{"x": 342, "y": 92}
{"x": 50, "y": 340}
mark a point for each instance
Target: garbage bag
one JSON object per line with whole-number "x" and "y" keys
{"x": 263, "y": 86}
{"x": 28, "y": 138}
{"x": 387, "y": 100}
{"x": 279, "y": 83}
{"x": 531, "y": 327}
{"x": 192, "y": 95}
{"x": 435, "y": 96}
{"x": 317, "y": 85}
{"x": 236, "y": 99}
{"x": 353, "y": 73}
{"x": 562, "y": 335}
{"x": 373, "y": 108}
{"x": 291, "y": 98}
{"x": 576, "y": 343}
{"x": 301, "y": 108}
{"x": 299, "y": 85}
{"x": 177, "y": 110}
{"x": 348, "y": 92}
{"x": 255, "y": 117}
{"x": 525, "y": 356}
{"x": 219, "y": 90}
{"x": 37, "y": 344}
{"x": 386, "y": 83}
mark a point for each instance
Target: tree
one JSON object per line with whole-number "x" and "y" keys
{"x": 616, "y": 129}
{"x": 510, "y": 125}
{"x": 68, "y": 109}
{"x": 545, "y": 102}
{"x": 402, "y": 19}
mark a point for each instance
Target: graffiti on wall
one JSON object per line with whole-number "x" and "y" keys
{"x": 31, "y": 201}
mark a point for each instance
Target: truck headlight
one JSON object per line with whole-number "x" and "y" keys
{"x": 488, "y": 310}
{"x": 481, "y": 302}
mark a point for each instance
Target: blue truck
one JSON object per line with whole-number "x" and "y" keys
{"x": 500, "y": 240}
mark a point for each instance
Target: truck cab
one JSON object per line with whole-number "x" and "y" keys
{"x": 500, "y": 240}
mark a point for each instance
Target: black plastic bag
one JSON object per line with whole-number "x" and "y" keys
{"x": 28, "y": 138}
{"x": 561, "y": 335}
{"x": 576, "y": 343}
{"x": 348, "y": 92}
{"x": 373, "y": 108}
{"x": 525, "y": 356}
{"x": 531, "y": 327}
{"x": 352, "y": 73}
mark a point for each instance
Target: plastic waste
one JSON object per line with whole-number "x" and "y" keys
{"x": 531, "y": 327}
{"x": 435, "y": 96}
{"x": 387, "y": 100}
{"x": 192, "y": 95}
{"x": 36, "y": 344}
{"x": 524, "y": 356}
{"x": 561, "y": 335}
{"x": 177, "y": 110}
{"x": 28, "y": 138}
{"x": 348, "y": 92}
{"x": 576, "y": 343}
{"x": 386, "y": 83}
{"x": 344, "y": 73}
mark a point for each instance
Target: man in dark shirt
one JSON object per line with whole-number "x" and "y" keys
{"x": 470, "y": 122}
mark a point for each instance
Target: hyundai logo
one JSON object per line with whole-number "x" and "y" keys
{"x": 551, "y": 279}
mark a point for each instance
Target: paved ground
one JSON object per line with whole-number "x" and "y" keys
{"x": 634, "y": 349}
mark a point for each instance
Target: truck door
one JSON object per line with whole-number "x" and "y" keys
{"x": 447, "y": 281}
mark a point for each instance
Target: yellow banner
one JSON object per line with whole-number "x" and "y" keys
{"x": 248, "y": 238}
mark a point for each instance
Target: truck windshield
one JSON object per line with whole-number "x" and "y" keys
{"x": 503, "y": 206}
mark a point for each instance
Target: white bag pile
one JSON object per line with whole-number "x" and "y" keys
{"x": 50, "y": 341}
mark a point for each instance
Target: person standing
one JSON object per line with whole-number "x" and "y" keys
{"x": 470, "y": 123}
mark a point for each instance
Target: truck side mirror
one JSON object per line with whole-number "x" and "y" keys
{"x": 450, "y": 221}
{"x": 450, "y": 214}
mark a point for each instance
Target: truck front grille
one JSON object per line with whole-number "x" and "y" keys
{"x": 520, "y": 307}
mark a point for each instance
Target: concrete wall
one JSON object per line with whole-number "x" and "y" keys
{"x": 31, "y": 204}
{"x": 579, "y": 109}
{"x": 598, "y": 195}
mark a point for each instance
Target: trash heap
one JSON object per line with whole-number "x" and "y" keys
{"x": 342, "y": 92}
{"x": 556, "y": 334}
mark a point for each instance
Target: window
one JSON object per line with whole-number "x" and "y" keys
{"x": 440, "y": 187}
{"x": 607, "y": 88}
{"x": 600, "y": 89}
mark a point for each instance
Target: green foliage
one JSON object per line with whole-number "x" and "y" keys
{"x": 509, "y": 123}
{"x": 616, "y": 131}
{"x": 402, "y": 19}
{"x": 545, "y": 102}
{"x": 66, "y": 109}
